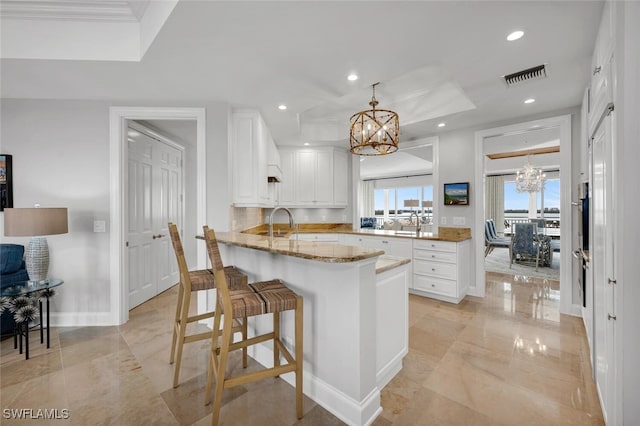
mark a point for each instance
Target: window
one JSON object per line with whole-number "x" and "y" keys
{"x": 390, "y": 202}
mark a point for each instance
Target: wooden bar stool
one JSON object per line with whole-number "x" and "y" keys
{"x": 197, "y": 280}
{"x": 266, "y": 297}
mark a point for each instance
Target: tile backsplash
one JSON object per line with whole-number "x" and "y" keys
{"x": 245, "y": 217}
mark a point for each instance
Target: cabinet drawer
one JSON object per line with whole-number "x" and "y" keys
{"x": 435, "y": 269}
{"x": 435, "y": 285}
{"x": 440, "y": 256}
{"x": 434, "y": 245}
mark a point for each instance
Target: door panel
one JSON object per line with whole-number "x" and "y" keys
{"x": 155, "y": 198}
{"x": 602, "y": 264}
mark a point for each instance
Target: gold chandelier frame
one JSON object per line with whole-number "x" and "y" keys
{"x": 374, "y": 131}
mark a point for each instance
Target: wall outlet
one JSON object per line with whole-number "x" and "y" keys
{"x": 459, "y": 220}
{"x": 99, "y": 226}
{"x": 443, "y": 220}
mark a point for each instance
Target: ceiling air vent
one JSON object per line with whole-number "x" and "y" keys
{"x": 535, "y": 73}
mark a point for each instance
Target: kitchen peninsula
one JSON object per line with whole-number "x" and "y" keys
{"x": 355, "y": 315}
{"x": 355, "y": 305}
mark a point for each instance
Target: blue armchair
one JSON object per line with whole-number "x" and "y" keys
{"x": 528, "y": 246}
{"x": 12, "y": 270}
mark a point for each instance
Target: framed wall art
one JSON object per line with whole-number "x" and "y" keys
{"x": 456, "y": 194}
{"x": 6, "y": 182}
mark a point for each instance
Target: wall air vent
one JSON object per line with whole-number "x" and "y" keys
{"x": 535, "y": 73}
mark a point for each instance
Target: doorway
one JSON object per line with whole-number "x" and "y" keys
{"x": 118, "y": 121}
{"x": 155, "y": 197}
{"x": 563, "y": 124}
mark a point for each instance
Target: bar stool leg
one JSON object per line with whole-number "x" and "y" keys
{"x": 222, "y": 367}
{"x": 175, "y": 324}
{"x": 276, "y": 338}
{"x": 26, "y": 339}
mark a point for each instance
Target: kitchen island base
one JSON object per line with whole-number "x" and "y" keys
{"x": 355, "y": 326}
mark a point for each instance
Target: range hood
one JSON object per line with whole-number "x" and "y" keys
{"x": 274, "y": 173}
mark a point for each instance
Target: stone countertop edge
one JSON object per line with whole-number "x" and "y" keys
{"x": 386, "y": 263}
{"x": 323, "y": 252}
{"x": 451, "y": 234}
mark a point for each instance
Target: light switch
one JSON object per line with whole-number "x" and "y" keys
{"x": 99, "y": 226}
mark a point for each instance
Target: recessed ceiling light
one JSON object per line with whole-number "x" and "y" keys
{"x": 442, "y": 124}
{"x": 352, "y": 77}
{"x": 306, "y": 144}
{"x": 529, "y": 101}
{"x": 282, "y": 107}
{"x": 515, "y": 35}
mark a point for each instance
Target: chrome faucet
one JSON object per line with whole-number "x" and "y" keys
{"x": 417, "y": 222}
{"x": 291, "y": 223}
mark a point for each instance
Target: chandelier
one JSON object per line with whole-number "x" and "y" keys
{"x": 529, "y": 179}
{"x": 375, "y": 131}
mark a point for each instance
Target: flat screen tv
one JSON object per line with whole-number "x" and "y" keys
{"x": 456, "y": 194}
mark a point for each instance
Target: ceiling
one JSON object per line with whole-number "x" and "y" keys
{"x": 435, "y": 61}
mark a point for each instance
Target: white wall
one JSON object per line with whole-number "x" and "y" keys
{"x": 60, "y": 154}
{"x": 61, "y": 159}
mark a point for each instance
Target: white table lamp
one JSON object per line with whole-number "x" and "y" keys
{"x": 36, "y": 223}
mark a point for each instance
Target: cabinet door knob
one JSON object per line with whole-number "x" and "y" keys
{"x": 612, "y": 317}
{"x": 597, "y": 69}
{"x": 612, "y": 281}
{"x": 433, "y": 269}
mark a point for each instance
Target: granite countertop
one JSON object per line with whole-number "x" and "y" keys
{"x": 386, "y": 263}
{"x": 452, "y": 234}
{"x": 323, "y": 252}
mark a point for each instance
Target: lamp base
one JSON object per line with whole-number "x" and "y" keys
{"x": 37, "y": 259}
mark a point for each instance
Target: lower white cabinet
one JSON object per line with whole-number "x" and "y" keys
{"x": 398, "y": 247}
{"x": 323, "y": 237}
{"x": 439, "y": 269}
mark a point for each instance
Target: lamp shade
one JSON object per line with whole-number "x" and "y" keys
{"x": 32, "y": 222}
{"x": 411, "y": 203}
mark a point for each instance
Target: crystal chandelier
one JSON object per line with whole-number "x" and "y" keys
{"x": 529, "y": 179}
{"x": 374, "y": 132}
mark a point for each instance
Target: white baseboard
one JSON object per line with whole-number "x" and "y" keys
{"x": 81, "y": 319}
{"x": 347, "y": 409}
{"x": 389, "y": 371}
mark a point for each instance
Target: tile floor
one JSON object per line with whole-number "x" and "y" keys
{"x": 509, "y": 358}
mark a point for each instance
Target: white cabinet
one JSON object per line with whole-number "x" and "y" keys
{"x": 439, "y": 270}
{"x": 318, "y": 237}
{"x": 249, "y": 148}
{"x": 341, "y": 178}
{"x": 316, "y": 177}
{"x": 392, "y": 246}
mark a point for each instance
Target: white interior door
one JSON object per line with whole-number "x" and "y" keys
{"x": 601, "y": 251}
{"x": 155, "y": 198}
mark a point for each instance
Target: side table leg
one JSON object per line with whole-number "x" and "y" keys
{"x": 47, "y": 322}
{"x": 26, "y": 339}
{"x": 41, "y": 334}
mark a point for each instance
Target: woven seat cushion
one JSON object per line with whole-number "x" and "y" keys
{"x": 202, "y": 279}
{"x": 245, "y": 302}
{"x": 276, "y": 296}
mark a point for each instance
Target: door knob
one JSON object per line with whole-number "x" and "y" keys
{"x": 158, "y": 236}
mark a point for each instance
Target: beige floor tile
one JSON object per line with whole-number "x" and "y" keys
{"x": 508, "y": 358}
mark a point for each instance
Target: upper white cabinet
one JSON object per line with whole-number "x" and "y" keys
{"x": 601, "y": 87}
{"x": 250, "y": 141}
{"x": 317, "y": 177}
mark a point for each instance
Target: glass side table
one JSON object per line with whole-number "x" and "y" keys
{"x": 28, "y": 288}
